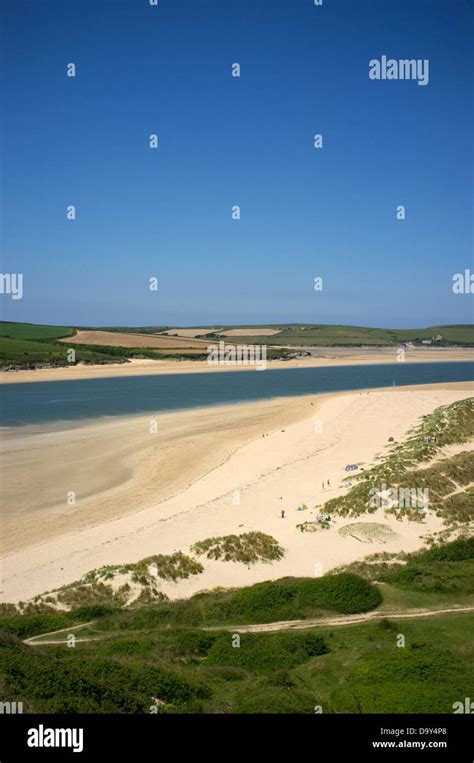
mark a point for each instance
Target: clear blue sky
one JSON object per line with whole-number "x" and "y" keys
{"x": 226, "y": 141}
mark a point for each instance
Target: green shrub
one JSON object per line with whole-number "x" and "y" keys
{"x": 295, "y": 598}
{"x": 435, "y": 576}
{"x": 273, "y": 699}
{"x": 456, "y": 551}
{"x": 265, "y": 652}
{"x": 128, "y": 646}
{"x": 28, "y": 625}
{"x": 68, "y": 683}
{"x": 420, "y": 680}
{"x": 93, "y": 612}
{"x": 284, "y": 599}
{"x": 448, "y": 567}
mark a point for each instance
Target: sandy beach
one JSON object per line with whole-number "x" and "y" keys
{"x": 321, "y": 357}
{"x": 140, "y": 493}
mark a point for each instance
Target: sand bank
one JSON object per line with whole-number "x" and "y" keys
{"x": 139, "y": 493}
{"x": 322, "y": 357}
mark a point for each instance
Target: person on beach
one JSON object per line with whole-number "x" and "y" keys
{"x": 283, "y": 513}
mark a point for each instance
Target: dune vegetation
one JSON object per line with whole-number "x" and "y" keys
{"x": 161, "y": 658}
{"x": 448, "y": 482}
{"x": 247, "y": 548}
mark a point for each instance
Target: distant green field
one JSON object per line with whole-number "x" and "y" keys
{"x": 26, "y": 344}
{"x": 308, "y": 334}
{"x": 23, "y": 352}
{"x": 462, "y": 334}
{"x": 300, "y": 335}
{"x": 330, "y": 335}
{"x": 31, "y": 345}
{"x": 33, "y": 331}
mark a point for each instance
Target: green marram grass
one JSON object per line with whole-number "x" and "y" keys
{"x": 117, "y": 585}
{"x": 402, "y": 468}
{"x": 247, "y": 548}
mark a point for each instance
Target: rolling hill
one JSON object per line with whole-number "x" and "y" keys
{"x": 27, "y": 345}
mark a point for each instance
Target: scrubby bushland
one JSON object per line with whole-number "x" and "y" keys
{"x": 266, "y": 652}
{"x": 28, "y": 625}
{"x": 419, "y": 678}
{"x": 284, "y": 599}
{"x": 457, "y": 551}
{"x": 448, "y": 568}
{"x": 66, "y": 683}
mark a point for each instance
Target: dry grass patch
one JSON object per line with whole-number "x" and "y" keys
{"x": 368, "y": 532}
{"x": 247, "y": 548}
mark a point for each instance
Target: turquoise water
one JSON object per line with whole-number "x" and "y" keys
{"x": 48, "y": 402}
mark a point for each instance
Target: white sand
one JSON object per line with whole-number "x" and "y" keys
{"x": 158, "y": 497}
{"x": 324, "y": 357}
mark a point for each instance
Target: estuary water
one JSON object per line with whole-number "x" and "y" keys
{"x": 49, "y": 402}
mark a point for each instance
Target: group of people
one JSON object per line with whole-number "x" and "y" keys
{"x": 323, "y": 485}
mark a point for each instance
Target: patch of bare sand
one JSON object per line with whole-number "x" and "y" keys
{"x": 183, "y": 488}
{"x": 118, "y": 466}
